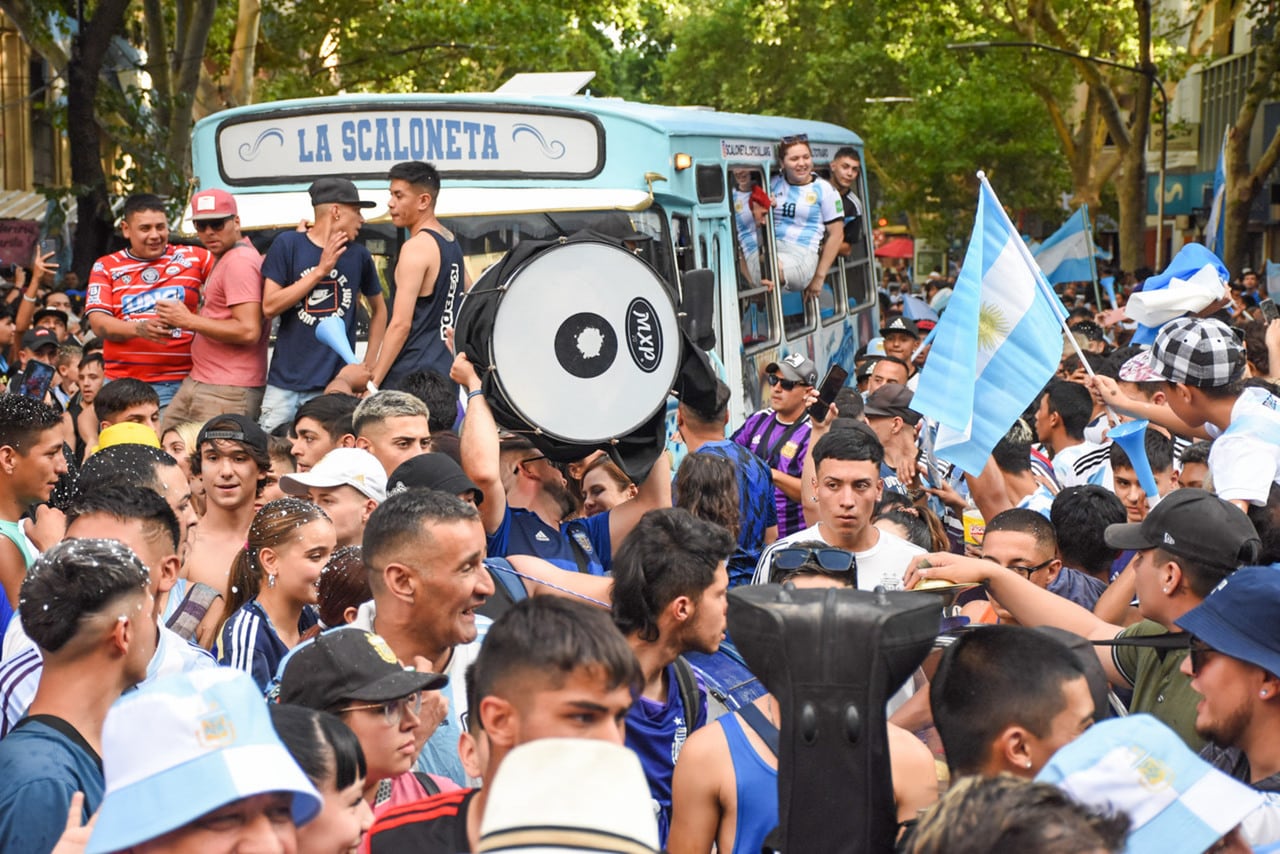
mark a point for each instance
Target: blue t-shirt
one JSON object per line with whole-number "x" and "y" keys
{"x": 249, "y": 642}
{"x": 755, "y": 500}
{"x": 523, "y": 533}
{"x": 656, "y": 733}
{"x": 302, "y": 363}
{"x": 43, "y": 762}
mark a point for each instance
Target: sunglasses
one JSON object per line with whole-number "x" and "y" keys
{"x": 831, "y": 560}
{"x": 787, "y": 385}
{"x": 794, "y": 138}
{"x": 212, "y": 224}
{"x": 1200, "y": 651}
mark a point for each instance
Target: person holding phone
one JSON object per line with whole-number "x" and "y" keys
{"x": 779, "y": 434}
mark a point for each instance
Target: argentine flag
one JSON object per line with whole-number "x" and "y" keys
{"x": 1066, "y": 256}
{"x": 997, "y": 344}
{"x": 1215, "y": 228}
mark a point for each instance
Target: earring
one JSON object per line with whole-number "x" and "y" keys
{"x": 271, "y": 581}
{"x": 1262, "y": 694}
{"x": 1028, "y": 763}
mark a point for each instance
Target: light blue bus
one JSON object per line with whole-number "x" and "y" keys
{"x": 516, "y": 166}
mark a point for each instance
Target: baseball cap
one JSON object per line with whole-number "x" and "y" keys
{"x": 56, "y": 313}
{"x": 889, "y": 401}
{"x": 1248, "y": 271}
{"x": 34, "y": 339}
{"x": 795, "y": 367}
{"x": 1137, "y": 369}
{"x": 1230, "y": 617}
{"x": 926, "y": 325}
{"x": 901, "y": 324}
{"x": 212, "y": 204}
{"x": 348, "y": 664}
{"x": 339, "y": 191}
{"x": 184, "y": 745}
{"x": 760, "y": 197}
{"x": 1200, "y": 352}
{"x": 535, "y": 802}
{"x": 354, "y": 467}
{"x": 1137, "y": 765}
{"x": 246, "y": 430}
{"x": 432, "y": 471}
{"x": 127, "y": 433}
{"x": 1194, "y": 524}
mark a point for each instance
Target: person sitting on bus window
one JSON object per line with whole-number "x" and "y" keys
{"x": 846, "y": 172}
{"x": 750, "y": 206}
{"x": 808, "y": 209}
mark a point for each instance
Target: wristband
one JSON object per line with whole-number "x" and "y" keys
{"x": 475, "y": 393}
{"x": 29, "y": 299}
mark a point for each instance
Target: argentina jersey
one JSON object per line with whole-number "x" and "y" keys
{"x": 801, "y": 212}
{"x": 748, "y": 237}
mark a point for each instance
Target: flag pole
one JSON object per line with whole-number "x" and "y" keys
{"x": 1093, "y": 260}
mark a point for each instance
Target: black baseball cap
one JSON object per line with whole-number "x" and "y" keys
{"x": 889, "y": 401}
{"x": 349, "y": 664}
{"x": 903, "y": 325}
{"x": 56, "y": 313}
{"x": 34, "y": 339}
{"x": 336, "y": 191}
{"x": 1194, "y": 524}
{"x": 246, "y": 430}
{"x": 432, "y": 471}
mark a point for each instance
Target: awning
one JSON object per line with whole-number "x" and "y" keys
{"x": 284, "y": 209}
{"x": 19, "y": 204}
{"x": 896, "y": 247}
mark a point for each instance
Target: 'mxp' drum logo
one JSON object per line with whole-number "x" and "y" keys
{"x": 644, "y": 335}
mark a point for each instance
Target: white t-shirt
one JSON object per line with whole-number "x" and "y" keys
{"x": 882, "y": 565}
{"x": 1073, "y": 464}
{"x": 1244, "y": 459}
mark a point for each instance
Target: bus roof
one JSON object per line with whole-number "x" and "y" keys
{"x": 498, "y": 153}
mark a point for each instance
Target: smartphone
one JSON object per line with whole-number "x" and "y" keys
{"x": 827, "y": 391}
{"x": 1269, "y": 310}
{"x": 35, "y": 380}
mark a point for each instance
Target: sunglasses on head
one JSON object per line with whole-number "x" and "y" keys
{"x": 794, "y": 138}
{"x": 787, "y": 385}
{"x": 831, "y": 560}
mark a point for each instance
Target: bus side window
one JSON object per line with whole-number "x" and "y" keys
{"x": 752, "y": 256}
{"x": 682, "y": 234}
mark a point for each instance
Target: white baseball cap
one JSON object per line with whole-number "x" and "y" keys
{"x": 535, "y": 800}
{"x": 185, "y": 745}
{"x": 354, "y": 467}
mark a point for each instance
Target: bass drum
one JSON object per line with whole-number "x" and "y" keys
{"x": 580, "y": 339}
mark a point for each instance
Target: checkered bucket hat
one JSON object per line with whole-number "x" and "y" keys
{"x": 1199, "y": 352}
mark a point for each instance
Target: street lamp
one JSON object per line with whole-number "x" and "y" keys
{"x": 1150, "y": 74}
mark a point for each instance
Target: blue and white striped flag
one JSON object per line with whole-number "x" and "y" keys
{"x": 1066, "y": 255}
{"x": 1109, "y": 288}
{"x": 997, "y": 344}
{"x": 1215, "y": 229}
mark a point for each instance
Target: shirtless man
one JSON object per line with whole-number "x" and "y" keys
{"x": 430, "y": 279}
{"x": 232, "y": 457}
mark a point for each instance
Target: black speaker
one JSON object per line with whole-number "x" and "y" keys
{"x": 832, "y": 658}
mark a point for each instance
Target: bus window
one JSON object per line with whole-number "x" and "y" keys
{"x": 859, "y": 287}
{"x": 682, "y": 234}
{"x": 752, "y": 258}
{"x": 831, "y": 300}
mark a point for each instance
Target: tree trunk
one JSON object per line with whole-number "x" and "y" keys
{"x": 94, "y": 220}
{"x": 243, "y": 53}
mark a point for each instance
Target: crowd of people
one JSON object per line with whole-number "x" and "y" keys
{"x": 258, "y": 598}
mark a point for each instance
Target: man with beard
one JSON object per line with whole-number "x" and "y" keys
{"x": 1235, "y": 656}
{"x": 670, "y": 596}
{"x": 527, "y": 499}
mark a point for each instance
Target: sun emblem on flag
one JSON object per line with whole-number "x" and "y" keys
{"x": 993, "y": 326}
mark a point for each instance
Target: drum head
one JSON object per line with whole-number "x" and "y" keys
{"x": 585, "y": 342}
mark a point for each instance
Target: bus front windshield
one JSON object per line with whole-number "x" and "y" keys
{"x": 485, "y": 239}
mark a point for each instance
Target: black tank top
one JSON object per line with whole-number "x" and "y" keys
{"x": 425, "y": 348}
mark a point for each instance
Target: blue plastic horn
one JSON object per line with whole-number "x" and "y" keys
{"x": 1132, "y": 436}
{"x": 333, "y": 333}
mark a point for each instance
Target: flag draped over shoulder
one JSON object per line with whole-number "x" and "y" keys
{"x": 1215, "y": 229}
{"x": 1066, "y": 255}
{"x": 997, "y": 344}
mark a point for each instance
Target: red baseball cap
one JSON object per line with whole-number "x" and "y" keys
{"x": 212, "y": 204}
